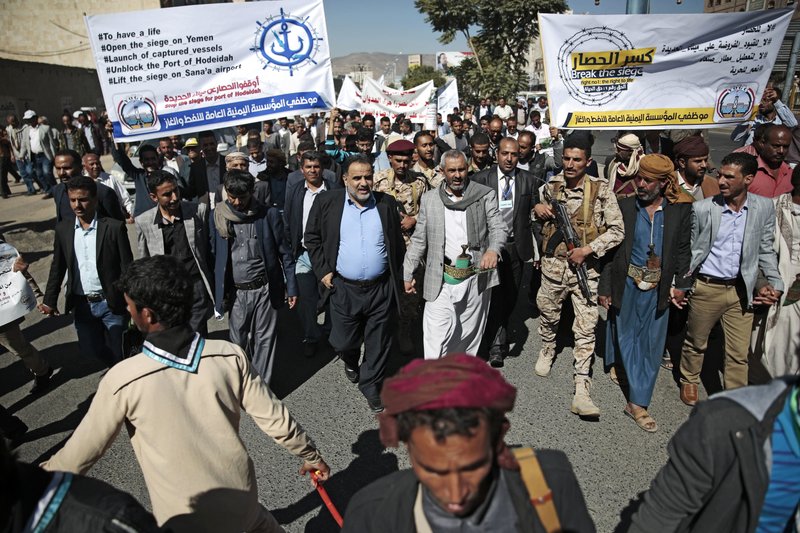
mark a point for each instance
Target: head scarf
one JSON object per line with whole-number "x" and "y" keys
{"x": 450, "y": 382}
{"x": 659, "y": 166}
{"x": 692, "y": 146}
{"x": 627, "y": 169}
{"x": 655, "y": 166}
{"x": 233, "y": 156}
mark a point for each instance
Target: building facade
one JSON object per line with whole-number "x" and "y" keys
{"x": 46, "y": 61}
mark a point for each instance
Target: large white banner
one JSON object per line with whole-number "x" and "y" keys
{"x": 658, "y": 71}
{"x": 382, "y": 101}
{"x": 447, "y": 98}
{"x": 16, "y": 296}
{"x": 184, "y": 69}
{"x": 349, "y": 96}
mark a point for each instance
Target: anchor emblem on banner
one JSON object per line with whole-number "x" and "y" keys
{"x": 286, "y": 51}
{"x": 285, "y": 42}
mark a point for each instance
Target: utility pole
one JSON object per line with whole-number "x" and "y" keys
{"x": 637, "y": 7}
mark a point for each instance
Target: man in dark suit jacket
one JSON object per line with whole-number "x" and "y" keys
{"x": 66, "y": 165}
{"x": 356, "y": 248}
{"x": 252, "y": 260}
{"x": 299, "y": 200}
{"x": 206, "y": 175}
{"x": 296, "y": 176}
{"x": 92, "y": 133}
{"x": 515, "y": 189}
{"x": 94, "y": 251}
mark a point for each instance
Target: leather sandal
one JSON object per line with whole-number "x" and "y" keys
{"x": 642, "y": 419}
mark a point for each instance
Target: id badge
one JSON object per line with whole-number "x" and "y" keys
{"x": 506, "y": 204}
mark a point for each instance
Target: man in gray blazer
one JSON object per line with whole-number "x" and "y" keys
{"x": 732, "y": 238}
{"x": 461, "y": 233}
{"x": 458, "y": 138}
{"x": 179, "y": 229}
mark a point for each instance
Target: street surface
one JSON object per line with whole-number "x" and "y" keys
{"x": 613, "y": 459}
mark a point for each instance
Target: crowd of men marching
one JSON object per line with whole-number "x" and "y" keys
{"x": 421, "y": 242}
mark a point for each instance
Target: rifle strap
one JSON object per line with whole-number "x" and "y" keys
{"x": 587, "y": 200}
{"x": 539, "y": 492}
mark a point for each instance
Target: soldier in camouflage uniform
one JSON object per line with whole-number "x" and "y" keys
{"x": 407, "y": 187}
{"x": 587, "y": 198}
{"x": 426, "y": 164}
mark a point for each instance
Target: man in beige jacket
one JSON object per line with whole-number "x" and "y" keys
{"x": 181, "y": 400}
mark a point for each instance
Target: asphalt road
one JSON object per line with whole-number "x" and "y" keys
{"x": 614, "y": 459}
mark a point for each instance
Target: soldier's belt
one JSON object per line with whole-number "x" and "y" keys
{"x": 647, "y": 275}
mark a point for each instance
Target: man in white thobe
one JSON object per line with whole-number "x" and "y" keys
{"x": 458, "y": 223}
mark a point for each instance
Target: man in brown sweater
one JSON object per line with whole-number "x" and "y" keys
{"x": 181, "y": 401}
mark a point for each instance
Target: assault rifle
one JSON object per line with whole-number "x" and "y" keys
{"x": 566, "y": 233}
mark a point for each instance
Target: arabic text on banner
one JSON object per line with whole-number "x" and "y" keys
{"x": 382, "y": 101}
{"x": 16, "y": 296}
{"x": 658, "y": 71}
{"x": 201, "y": 67}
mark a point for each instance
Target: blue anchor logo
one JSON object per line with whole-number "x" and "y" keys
{"x": 275, "y": 38}
{"x": 285, "y": 51}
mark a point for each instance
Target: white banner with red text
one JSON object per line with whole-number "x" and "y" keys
{"x": 381, "y": 101}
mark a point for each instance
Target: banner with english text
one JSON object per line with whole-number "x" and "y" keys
{"x": 658, "y": 71}
{"x": 186, "y": 69}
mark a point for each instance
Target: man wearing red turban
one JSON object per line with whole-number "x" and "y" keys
{"x": 450, "y": 412}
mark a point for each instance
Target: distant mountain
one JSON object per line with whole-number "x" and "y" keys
{"x": 378, "y": 62}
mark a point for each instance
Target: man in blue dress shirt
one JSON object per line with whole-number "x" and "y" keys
{"x": 92, "y": 251}
{"x": 732, "y": 240}
{"x": 356, "y": 248}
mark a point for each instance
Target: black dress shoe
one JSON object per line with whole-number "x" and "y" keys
{"x": 376, "y": 406}
{"x": 42, "y": 383}
{"x": 351, "y": 374}
{"x": 497, "y": 353}
{"x": 47, "y": 196}
{"x": 496, "y": 360}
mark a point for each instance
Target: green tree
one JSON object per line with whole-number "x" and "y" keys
{"x": 417, "y": 75}
{"x": 499, "y": 33}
